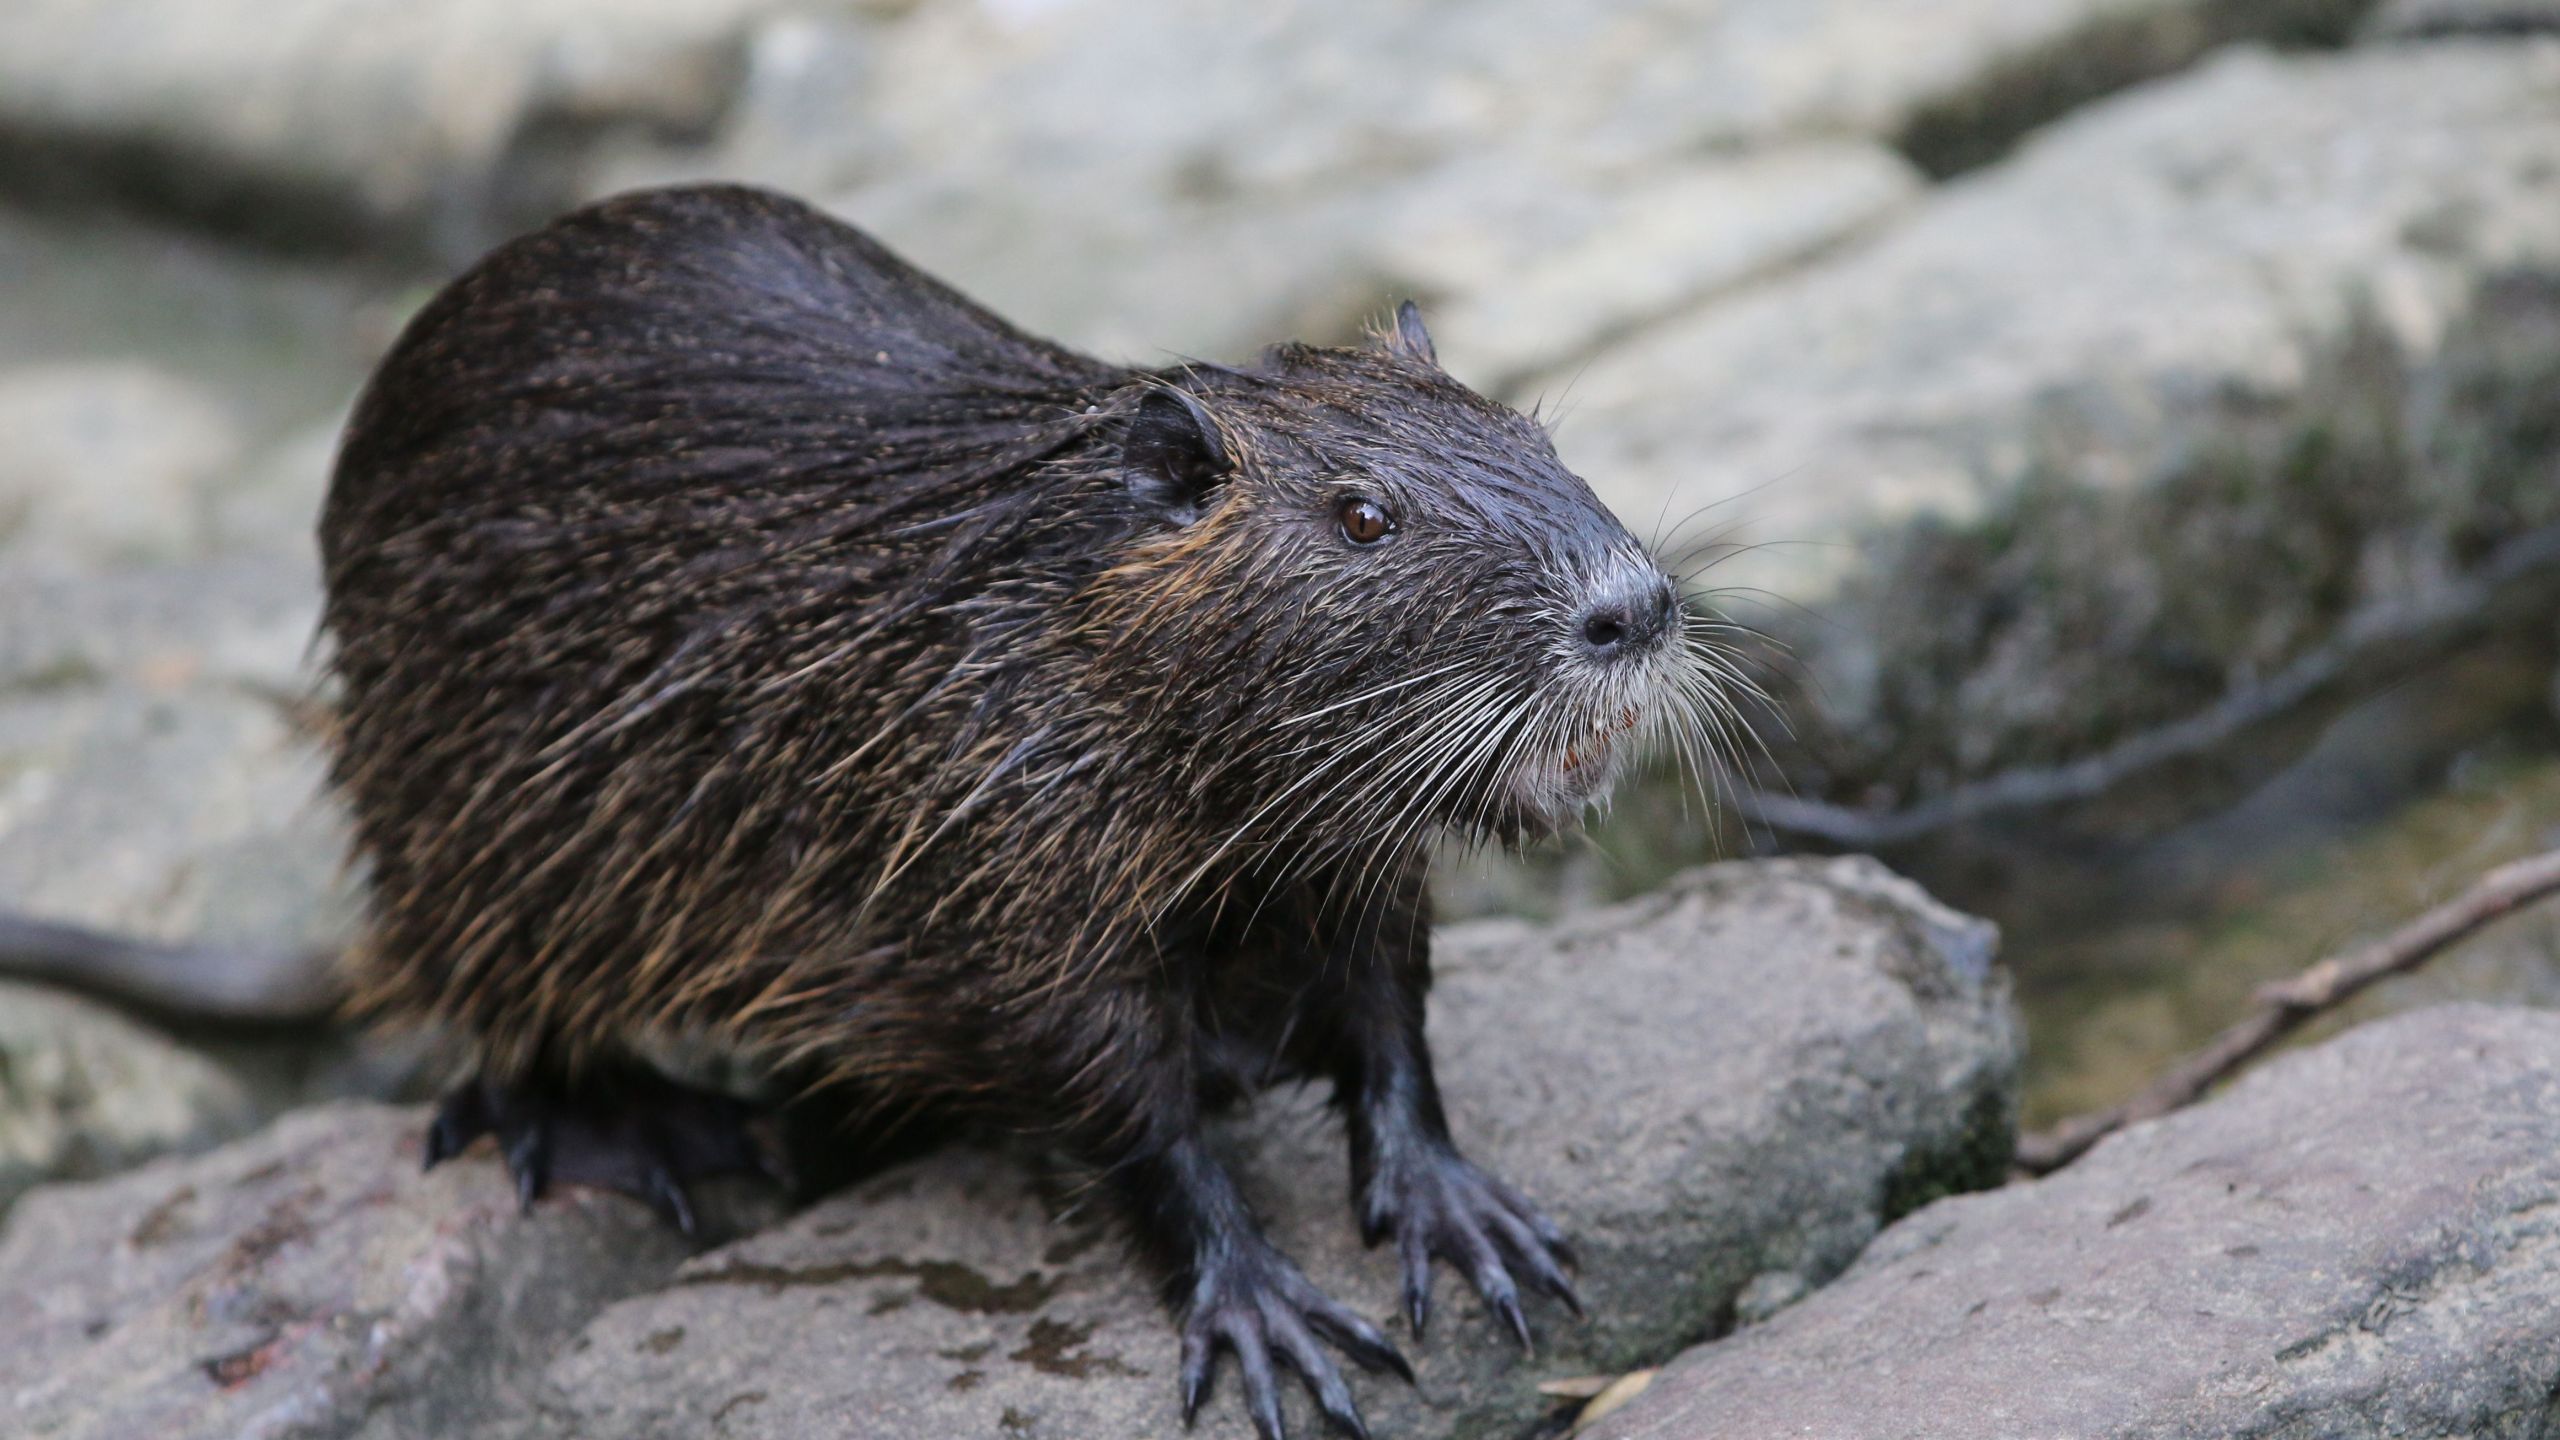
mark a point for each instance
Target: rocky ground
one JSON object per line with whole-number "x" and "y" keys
{"x": 2040, "y": 377}
{"x": 1716, "y": 1145}
{"x": 2363, "y": 1239}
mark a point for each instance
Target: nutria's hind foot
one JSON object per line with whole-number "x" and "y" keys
{"x": 1254, "y": 1301}
{"x": 1438, "y": 1205}
{"x": 622, "y": 1127}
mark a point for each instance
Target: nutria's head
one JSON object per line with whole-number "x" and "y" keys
{"x": 1373, "y": 604}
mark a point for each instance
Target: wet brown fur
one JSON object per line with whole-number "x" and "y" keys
{"x": 744, "y": 637}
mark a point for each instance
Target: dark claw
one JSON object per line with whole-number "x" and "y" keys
{"x": 442, "y": 1143}
{"x": 529, "y": 1160}
{"x": 1493, "y": 1282}
{"x": 1567, "y": 1296}
{"x": 1417, "y": 1284}
{"x": 461, "y": 1118}
{"x": 1529, "y": 1249}
{"x": 1197, "y": 1358}
{"x": 1368, "y": 1347}
{"x": 668, "y": 1199}
{"x": 1261, "y": 1387}
{"x": 1507, "y": 1305}
{"x": 1333, "y": 1397}
{"x": 1381, "y": 1358}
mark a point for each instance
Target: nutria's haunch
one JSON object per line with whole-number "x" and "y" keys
{"x": 745, "y": 638}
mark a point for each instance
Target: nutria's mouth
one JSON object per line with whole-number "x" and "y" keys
{"x": 1595, "y": 750}
{"x": 1546, "y": 791}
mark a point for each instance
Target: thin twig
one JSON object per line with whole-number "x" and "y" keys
{"x": 2287, "y": 1004}
{"x": 2378, "y": 636}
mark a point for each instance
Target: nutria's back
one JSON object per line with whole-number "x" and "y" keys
{"x": 693, "y": 561}
{"x": 609, "y": 492}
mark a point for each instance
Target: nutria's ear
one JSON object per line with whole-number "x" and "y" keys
{"x": 1173, "y": 453}
{"x": 1409, "y": 338}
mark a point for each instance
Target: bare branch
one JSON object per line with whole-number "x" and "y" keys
{"x": 2380, "y": 637}
{"x": 2286, "y": 1005}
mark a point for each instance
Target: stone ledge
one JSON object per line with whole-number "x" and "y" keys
{"x": 1727, "y": 1085}
{"x": 2358, "y": 1240}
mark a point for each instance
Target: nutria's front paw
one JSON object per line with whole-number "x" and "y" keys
{"x": 1254, "y": 1301}
{"x": 1437, "y": 1204}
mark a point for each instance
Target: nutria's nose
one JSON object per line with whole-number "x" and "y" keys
{"x": 1631, "y": 617}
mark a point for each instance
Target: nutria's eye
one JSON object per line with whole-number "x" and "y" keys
{"x": 1364, "y": 522}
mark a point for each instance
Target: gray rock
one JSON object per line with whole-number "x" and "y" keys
{"x": 2359, "y": 1240}
{"x": 1216, "y": 177}
{"x": 243, "y": 620}
{"x": 1266, "y": 102}
{"x": 272, "y": 343}
{"x": 1528, "y": 270}
{"x": 337, "y": 120}
{"x": 1716, "y": 1089}
{"x": 1725, "y": 1084}
{"x": 304, "y": 1282}
{"x": 158, "y": 776}
{"x": 2425, "y": 19}
{"x": 2210, "y": 234}
{"x": 192, "y": 811}
{"x": 106, "y": 462}
{"x": 270, "y": 504}
{"x": 84, "y": 1091}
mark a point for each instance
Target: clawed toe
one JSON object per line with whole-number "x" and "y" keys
{"x": 1262, "y": 1310}
{"x": 1443, "y": 1208}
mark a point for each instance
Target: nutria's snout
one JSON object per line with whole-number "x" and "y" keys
{"x": 1618, "y": 678}
{"x": 1630, "y": 615}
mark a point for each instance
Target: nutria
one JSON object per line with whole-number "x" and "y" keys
{"x": 745, "y": 637}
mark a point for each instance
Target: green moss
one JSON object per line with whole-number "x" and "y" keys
{"x": 68, "y": 672}
{"x": 2081, "y": 612}
{"x": 1976, "y": 1157}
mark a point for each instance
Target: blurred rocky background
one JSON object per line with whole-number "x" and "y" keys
{"x": 2125, "y": 435}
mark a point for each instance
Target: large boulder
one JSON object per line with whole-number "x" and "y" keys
{"x": 437, "y": 125}
{"x": 105, "y": 462}
{"x": 1721, "y": 1091}
{"x": 159, "y": 756}
{"x": 304, "y": 1282}
{"x": 340, "y": 121}
{"x": 1159, "y": 178}
{"x": 1211, "y": 180}
{"x": 2358, "y": 1240}
{"x": 178, "y": 811}
{"x": 160, "y": 772}
{"x": 2212, "y": 233}
{"x": 2204, "y": 377}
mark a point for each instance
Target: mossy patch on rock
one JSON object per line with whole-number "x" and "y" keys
{"x": 2078, "y": 613}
